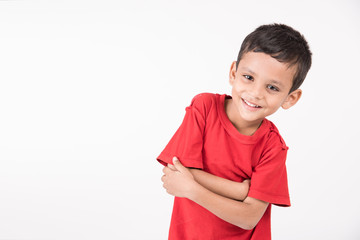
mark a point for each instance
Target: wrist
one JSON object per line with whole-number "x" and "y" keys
{"x": 194, "y": 191}
{"x": 194, "y": 172}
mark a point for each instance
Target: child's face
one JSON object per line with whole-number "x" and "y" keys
{"x": 261, "y": 85}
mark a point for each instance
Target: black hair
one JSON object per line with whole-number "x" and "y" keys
{"x": 282, "y": 43}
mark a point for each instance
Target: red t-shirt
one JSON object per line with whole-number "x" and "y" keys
{"x": 207, "y": 140}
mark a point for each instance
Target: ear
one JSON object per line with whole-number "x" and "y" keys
{"x": 292, "y": 99}
{"x": 232, "y": 73}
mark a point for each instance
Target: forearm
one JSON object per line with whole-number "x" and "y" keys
{"x": 179, "y": 181}
{"x": 221, "y": 186}
{"x": 242, "y": 214}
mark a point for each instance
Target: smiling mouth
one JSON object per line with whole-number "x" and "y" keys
{"x": 250, "y": 104}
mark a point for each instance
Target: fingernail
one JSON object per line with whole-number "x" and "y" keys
{"x": 175, "y": 159}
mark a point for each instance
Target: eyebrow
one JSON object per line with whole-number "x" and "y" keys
{"x": 277, "y": 83}
{"x": 248, "y": 70}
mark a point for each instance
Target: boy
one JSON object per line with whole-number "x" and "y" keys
{"x": 225, "y": 141}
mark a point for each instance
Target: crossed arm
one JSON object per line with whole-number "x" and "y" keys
{"x": 215, "y": 194}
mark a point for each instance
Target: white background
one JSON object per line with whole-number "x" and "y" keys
{"x": 91, "y": 92}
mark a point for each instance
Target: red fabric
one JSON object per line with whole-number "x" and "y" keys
{"x": 207, "y": 139}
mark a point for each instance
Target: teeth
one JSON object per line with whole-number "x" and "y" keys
{"x": 250, "y": 104}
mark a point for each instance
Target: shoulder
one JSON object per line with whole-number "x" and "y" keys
{"x": 204, "y": 102}
{"x": 274, "y": 139}
{"x": 274, "y": 148}
{"x": 204, "y": 98}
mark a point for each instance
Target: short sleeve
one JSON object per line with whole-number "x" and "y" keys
{"x": 187, "y": 142}
{"x": 269, "y": 178}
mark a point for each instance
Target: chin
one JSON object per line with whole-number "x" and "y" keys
{"x": 252, "y": 118}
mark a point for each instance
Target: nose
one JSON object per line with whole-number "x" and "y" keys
{"x": 256, "y": 91}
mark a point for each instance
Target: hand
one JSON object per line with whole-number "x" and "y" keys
{"x": 178, "y": 180}
{"x": 246, "y": 187}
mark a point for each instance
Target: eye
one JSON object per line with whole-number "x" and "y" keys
{"x": 248, "y": 77}
{"x": 273, "y": 88}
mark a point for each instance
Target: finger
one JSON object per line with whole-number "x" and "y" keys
{"x": 178, "y": 165}
{"x": 167, "y": 170}
{"x": 163, "y": 178}
{"x": 171, "y": 167}
{"x": 247, "y": 181}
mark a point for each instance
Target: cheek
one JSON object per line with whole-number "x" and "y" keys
{"x": 275, "y": 101}
{"x": 237, "y": 87}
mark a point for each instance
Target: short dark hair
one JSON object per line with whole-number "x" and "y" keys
{"x": 282, "y": 43}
